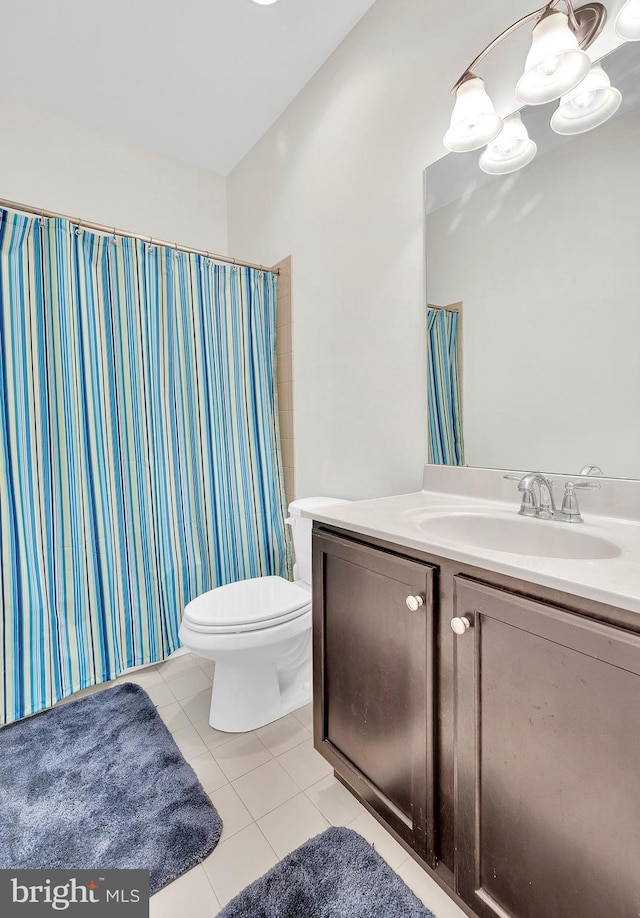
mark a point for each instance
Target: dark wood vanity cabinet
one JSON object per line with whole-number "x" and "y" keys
{"x": 547, "y": 760}
{"x": 373, "y": 677}
{"x": 507, "y": 758}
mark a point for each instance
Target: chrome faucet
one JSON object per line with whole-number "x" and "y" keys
{"x": 538, "y": 500}
{"x": 540, "y": 503}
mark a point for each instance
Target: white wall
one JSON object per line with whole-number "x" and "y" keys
{"x": 59, "y": 165}
{"x": 337, "y": 183}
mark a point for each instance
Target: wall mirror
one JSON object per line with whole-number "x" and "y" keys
{"x": 546, "y": 264}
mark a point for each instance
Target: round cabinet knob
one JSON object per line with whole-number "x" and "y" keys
{"x": 460, "y": 625}
{"x": 414, "y": 603}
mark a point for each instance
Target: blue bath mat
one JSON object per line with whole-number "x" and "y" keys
{"x": 100, "y": 783}
{"x": 335, "y": 875}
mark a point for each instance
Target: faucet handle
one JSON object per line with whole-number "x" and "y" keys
{"x": 512, "y": 477}
{"x": 570, "y": 508}
{"x": 591, "y": 470}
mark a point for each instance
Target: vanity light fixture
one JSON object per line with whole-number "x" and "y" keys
{"x": 511, "y": 150}
{"x": 587, "y": 106}
{"x": 557, "y": 66}
{"x": 264, "y": 2}
{"x": 474, "y": 121}
{"x": 628, "y": 21}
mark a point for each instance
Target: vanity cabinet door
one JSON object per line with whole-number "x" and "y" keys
{"x": 373, "y": 678}
{"x": 547, "y": 760}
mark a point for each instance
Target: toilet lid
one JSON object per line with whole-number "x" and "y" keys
{"x": 248, "y": 605}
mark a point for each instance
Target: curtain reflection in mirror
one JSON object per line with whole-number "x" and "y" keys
{"x": 446, "y": 446}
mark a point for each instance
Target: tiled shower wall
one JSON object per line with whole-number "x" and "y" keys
{"x": 284, "y": 348}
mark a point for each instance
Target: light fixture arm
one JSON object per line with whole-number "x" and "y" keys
{"x": 586, "y": 21}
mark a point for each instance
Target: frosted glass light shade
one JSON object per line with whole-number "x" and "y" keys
{"x": 511, "y": 150}
{"x": 474, "y": 122}
{"x": 589, "y": 105}
{"x": 555, "y": 63}
{"x": 628, "y": 21}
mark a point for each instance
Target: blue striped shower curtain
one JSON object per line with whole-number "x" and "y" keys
{"x": 139, "y": 450}
{"x": 446, "y": 445}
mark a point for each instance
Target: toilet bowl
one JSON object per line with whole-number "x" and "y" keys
{"x": 258, "y": 632}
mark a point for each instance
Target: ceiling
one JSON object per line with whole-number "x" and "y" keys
{"x": 199, "y": 80}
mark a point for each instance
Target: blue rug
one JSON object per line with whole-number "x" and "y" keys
{"x": 335, "y": 875}
{"x": 100, "y": 783}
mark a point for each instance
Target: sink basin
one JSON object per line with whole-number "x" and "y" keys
{"x": 517, "y": 535}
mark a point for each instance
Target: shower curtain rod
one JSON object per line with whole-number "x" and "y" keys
{"x": 454, "y": 307}
{"x": 113, "y": 231}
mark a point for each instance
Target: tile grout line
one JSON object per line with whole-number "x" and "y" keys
{"x": 272, "y": 810}
{"x": 234, "y": 736}
{"x": 213, "y": 890}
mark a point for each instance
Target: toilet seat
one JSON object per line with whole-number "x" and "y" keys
{"x": 248, "y": 605}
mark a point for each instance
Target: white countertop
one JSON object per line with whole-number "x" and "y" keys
{"x": 403, "y": 520}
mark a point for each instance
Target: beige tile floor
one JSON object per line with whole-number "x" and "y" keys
{"x": 271, "y": 788}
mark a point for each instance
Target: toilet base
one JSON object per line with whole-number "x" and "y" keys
{"x": 245, "y": 697}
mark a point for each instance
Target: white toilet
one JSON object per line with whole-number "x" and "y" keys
{"x": 259, "y": 634}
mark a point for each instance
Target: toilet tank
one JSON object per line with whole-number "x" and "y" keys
{"x": 301, "y": 527}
